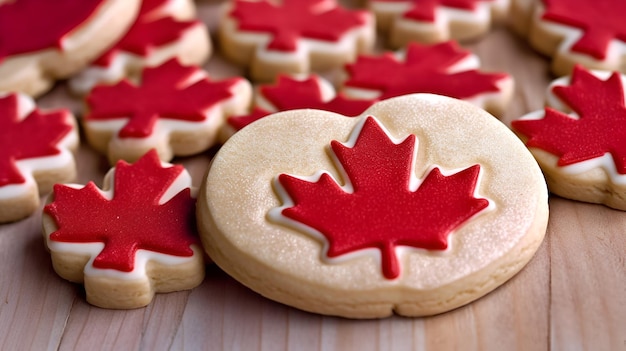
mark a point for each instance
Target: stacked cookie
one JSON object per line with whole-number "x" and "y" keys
{"x": 347, "y": 188}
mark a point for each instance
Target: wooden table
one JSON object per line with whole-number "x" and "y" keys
{"x": 571, "y": 296}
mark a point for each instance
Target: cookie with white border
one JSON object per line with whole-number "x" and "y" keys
{"x": 175, "y": 109}
{"x": 134, "y": 238}
{"x": 163, "y": 29}
{"x": 579, "y": 139}
{"x": 431, "y": 21}
{"x": 442, "y": 68}
{"x": 36, "y": 153}
{"x": 42, "y": 40}
{"x": 590, "y": 33}
{"x": 293, "y": 36}
{"x": 413, "y": 207}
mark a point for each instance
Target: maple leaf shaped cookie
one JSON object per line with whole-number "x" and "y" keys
{"x": 380, "y": 213}
{"x": 579, "y": 140}
{"x": 175, "y": 109}
{"x": 430, "y": 21}
{"x": 444, "y": 69}
{"x": 293, "y": 36}
{"x": 290, "y": 93}
{"x": 590, "y": 33}
{"x": 163, "y": 29}
{"x": 37, "y": 45}
{"x": 130, "y": 240}
{"x": 36, "y": 153}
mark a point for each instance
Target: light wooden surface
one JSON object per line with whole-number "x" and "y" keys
{"x": 571, "y": 296}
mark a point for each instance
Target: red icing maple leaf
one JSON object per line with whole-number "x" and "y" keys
{"x": 294, "y": 19}
{"x": 424, "y": 70}
{"x": 601, "y": 21}
{"x": 424, "y": 10}
{"x": 37, "y": 135}
{"x": 382, "y": 211}
{"x": 34, "y": 25}
{"x": 165, "y": 92}
{"x": 600, "y": 128}
{"x": 150, "y": 30}
{"x": 132, "y": 220}
{"x": 290, "y": 94}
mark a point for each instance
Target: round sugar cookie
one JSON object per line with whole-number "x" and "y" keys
{"x": 421, "y": 204}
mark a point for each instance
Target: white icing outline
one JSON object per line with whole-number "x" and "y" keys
{"x": 27, "y": 167}
{"x": 275, "y": 214}
{"x": 142, "y": 256}
{"x": 604, "y": 162}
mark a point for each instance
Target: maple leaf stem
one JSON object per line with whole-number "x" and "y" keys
{"x": 391, "y": 267}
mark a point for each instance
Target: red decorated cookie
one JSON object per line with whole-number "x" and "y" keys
{"x": 130, "y": 240}
{"x": 430, "y": 21}
{"x": 163, "y": 29}
{"x": 590, "y": 33}
{"x": 291, "y": 93}
{"x": 579, "y": 140}
{"x": 444, "y": 69}
{"x": 363, "y": 217}
{"x": 293, "y": 36}
{"x": 175, "y": 109}
{"x": 36, "y": 153}
{"x": 41, "y": 40}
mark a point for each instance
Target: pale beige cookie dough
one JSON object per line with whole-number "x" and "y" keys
{"x": 34, "y": 72}
{"x": 246, "y": 232}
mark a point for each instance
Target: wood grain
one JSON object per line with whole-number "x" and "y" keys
{"x": 571, "y": 296}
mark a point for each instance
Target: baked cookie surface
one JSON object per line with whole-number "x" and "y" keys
{"x": 363, "y": 217}
{"x": 579, "y": 139}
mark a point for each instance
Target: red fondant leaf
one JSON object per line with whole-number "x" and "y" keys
{"x": 132, "y": 220}
{"x": 426, "y": 69}
{"x": 600, "y": 128}
{"x": 601, "y": 21}
{"x": 424, "y": 10}
{"x": 165, "y": 92}
{"x": 382, "y": 211}
{"x": 291, "y": 20}
{"x": 34, "y": 25}
{"x": 37, "y": 135}
{"x": 290, "y": 94}
{"x": 150, "y": 30}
